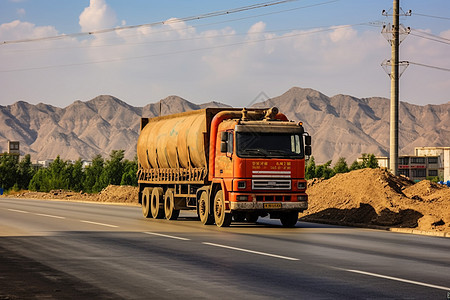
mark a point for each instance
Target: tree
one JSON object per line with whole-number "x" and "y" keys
{"x": 8, "y": 170}
{"x": 324, "y": 171}
{"x": 130, "y": 170}
{"x": 59, "y": 174}
{"x": 113, "y": 171}
{"x": 310, "y": 169}
{"x": 355, "y": 166}
{"x": 341, "y": 166}
{"x": 369, "y": 161}
{"x": 91, "y": 183}
{"x": 76, "y": 176}
{"x": 25, "y": 172}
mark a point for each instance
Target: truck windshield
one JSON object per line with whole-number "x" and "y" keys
{"x": 276, "y": 145}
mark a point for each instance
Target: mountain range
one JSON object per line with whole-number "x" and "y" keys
{"x": 341, "y": 126}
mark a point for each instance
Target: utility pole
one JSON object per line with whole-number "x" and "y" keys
{"x": 393, "y": 37}
{"x": 393, "y": 148}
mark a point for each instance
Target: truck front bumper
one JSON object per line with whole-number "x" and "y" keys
{"x": 300, "y": 206}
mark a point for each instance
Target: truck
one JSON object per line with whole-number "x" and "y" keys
{"x": 228, "y": 164}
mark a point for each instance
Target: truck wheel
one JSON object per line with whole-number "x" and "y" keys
{"x": 203, "y": 210}
{"x": 155, "y": 206}
{"x": 239, "y": 216}
{"x": 169, "y": 206}
{"x": 146, "y": 196}
{"x": 222, "y": 218}
{"x": 289, "y": 219}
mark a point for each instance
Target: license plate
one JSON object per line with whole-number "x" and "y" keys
{"x": 272, "y": 205}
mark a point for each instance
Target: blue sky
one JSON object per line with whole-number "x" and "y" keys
{"x": 230, "y": 59}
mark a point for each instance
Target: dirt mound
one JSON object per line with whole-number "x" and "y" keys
{"x": 119, "y": 193}
{"x": 376, "y": 197}
{"x": 112, "y": 193}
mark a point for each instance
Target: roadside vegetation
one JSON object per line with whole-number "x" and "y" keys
{"x": 21, "y": 175}
{"x": 326, "y": 171}
{"x": 65, "y": 175}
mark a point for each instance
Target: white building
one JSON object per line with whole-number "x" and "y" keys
{"x": 426, "y": 162}
{"x": 442, "y": 152}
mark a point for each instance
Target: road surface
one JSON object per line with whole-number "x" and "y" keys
{"x": 66, "y": 250}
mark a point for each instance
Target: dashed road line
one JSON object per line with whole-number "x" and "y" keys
{"x": 167, "y": 236}
{"x": 50, "y": 216}
{"x": 100, "y": 224}
{"x": 400, "y": 279}
{"x": 19, "y": 211}
{"x": 251, "y": 251}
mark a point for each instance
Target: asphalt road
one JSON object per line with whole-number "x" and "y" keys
{"x": 68, "y": 250}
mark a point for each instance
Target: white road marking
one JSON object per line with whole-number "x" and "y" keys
{"x": 19, "y": 211}
{"x": 251, "y": 251}
{"x": 50, "y": 216}
{"x": 101, "y": 224}
{"x": 167, "y": 236}
{"x": 401, "y": 280}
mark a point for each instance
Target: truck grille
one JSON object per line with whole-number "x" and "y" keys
{"x": 271, "y": 184}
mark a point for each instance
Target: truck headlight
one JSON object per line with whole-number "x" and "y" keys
{"x": 302, "y": 198}
{"x": 242, "y": 198}
{"x": 242, "y": 185}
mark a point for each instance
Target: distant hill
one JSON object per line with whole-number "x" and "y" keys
{"x": 340, "y": 125}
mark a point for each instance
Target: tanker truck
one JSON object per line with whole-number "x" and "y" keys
{"x": 227, "y": 164}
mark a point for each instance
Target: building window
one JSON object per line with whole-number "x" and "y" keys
{"x": 419, "y": 173}
{"x": 404, "y": 160}
{"x": 432, "y": 173}
{"x": 404, "y": 172}
{"x": 418, "y": 160}
{"x": 432, "y": 160}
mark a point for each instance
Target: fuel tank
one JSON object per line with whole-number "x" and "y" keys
{"x": 175, "y": 141}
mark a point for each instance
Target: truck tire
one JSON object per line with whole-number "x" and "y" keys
{"x": 203, "y": 210}
{"x": 238, "y": 216}
{"x": 155, "y": 204}
{"x": 222, "y": 218}
{"x": 289, "y": 219}
{"x": 145, "y": 201}
{"x": 169, "y": 206}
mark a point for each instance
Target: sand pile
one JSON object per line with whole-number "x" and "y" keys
{"x": 119, "y": 193}
{"x": 375, "y": 197}
{"x": 112, "y": 193}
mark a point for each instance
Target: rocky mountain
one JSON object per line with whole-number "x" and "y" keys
{"x": 340, "y": 125}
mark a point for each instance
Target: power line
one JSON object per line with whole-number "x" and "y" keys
{"x": 181, "y": 29}
{"x": 430, "y": 16}
{"x": 170, "y": 21}
{"x": 430, "y": 36}
{"x": 428, "y": 66}
{"x": 431, "y": 39}
{"x": 185, "y": 51}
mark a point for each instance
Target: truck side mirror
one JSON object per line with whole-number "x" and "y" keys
{"x": 308, "y": 150}
{"x": 308, "y": 140}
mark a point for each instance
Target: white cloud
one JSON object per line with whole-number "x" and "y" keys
{"x": 21, "y": 12}
{"x": 16, "y": 30}
{"x": 149, "y": 63}
{"x": 97, "y": 16}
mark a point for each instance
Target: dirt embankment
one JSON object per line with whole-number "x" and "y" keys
{"x": 376, "y": 197}
{"x": 112, "y": 194}
{"x": 358, "y": 198}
